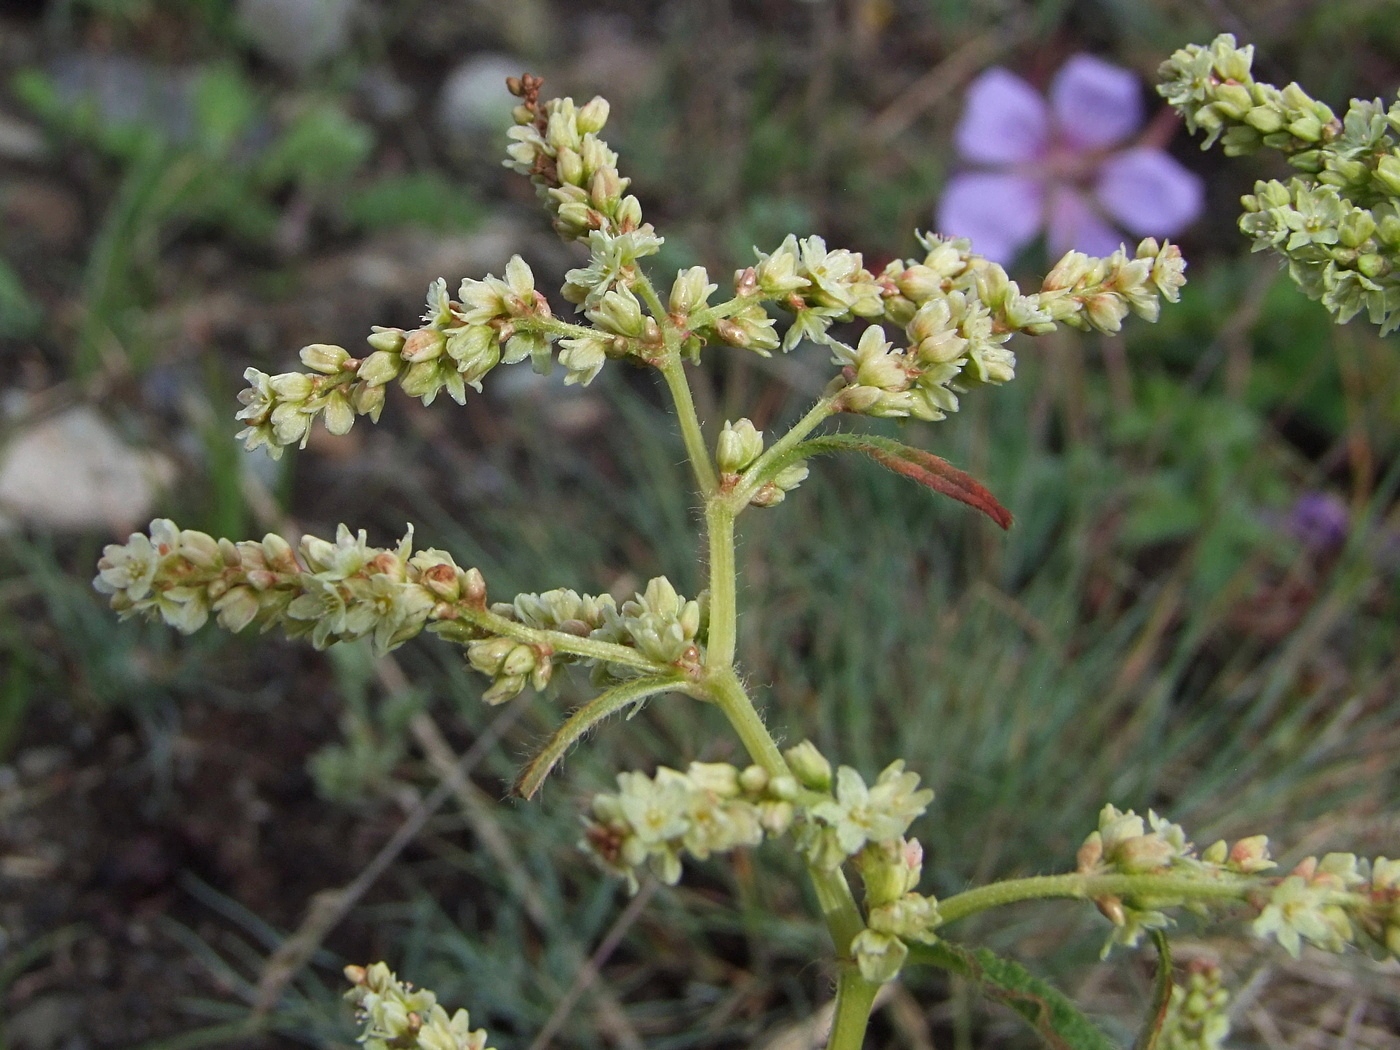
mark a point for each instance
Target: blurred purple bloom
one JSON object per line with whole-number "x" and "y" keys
{"x": 1058, "y": 167}
{"x": 1319, "y": 521}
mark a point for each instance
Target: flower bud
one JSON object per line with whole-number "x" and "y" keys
{"x": 423, "y": 379}
{"x": 569, "y": 166}
{"x": 324, "y": 358}
{"x": 753, "y": 779}
{"x": 1388, "y": 172}
{"x": 423, "y": 345}
{"x": 592, "y": 115}
{"x": 809, "y": 765}
{"x": 739, "y": 444}
{"x": 340, "y": 417}
{"x": 379, "y": 368}
{"x": 387, "y": 339}
{"x": 520, "y": 660}
{"x": 1251, "y": 855}
{"x": 690, "y": 291}
{"x": 776, "y": 817}
{"x": 289, "y": 423}
{"x": 718, "y": 777}
{"x": 879, "y": 955}
{"x": 291, "y": 386}
{"x": 487, "y": 655}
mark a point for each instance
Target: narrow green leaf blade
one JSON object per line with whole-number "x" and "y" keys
{"x": 1050, "y": 1014}
{"x": 933, "y": 472}
{"x": 582, "y": 720}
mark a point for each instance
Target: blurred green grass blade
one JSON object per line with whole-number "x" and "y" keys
{"x": 1161, "y": 1000}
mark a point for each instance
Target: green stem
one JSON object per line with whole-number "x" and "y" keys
{"x": 1092, "y": 887}
{"x": 729, "y": 696}
{"x": 855, "y": 997}
{"x": 724, "y": 615}
{"x": 557, "y": 641}
{"x": 673, "y": 370}
{"x": 555, "y": 327}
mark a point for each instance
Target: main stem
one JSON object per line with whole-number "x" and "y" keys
{"x": 855, "y": 996}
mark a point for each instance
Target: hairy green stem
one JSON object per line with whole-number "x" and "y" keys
{"x": 724, "y": 616}
{"x": 855, "y": 998}
{"x": 557, "y": 641}
{"x": 730, "y": 697}
{"x": 673, "y": 370}
{"x": 1190, "y": 887}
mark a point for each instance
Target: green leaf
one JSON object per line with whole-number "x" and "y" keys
{"x": 933, "y": 472}
{"x": 1161, "y": 995}
{"x": 584, "y": 719}
{"x": 1048, "y": 1011}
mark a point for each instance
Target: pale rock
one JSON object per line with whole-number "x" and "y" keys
{"x": 474, "y": 99}
{"x": 72, "y": 471}
{"x": 297, "y": 34}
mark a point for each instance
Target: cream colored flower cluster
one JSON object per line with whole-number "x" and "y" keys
{"x": 330, "y": 591}
{"x": 1337, "y": 224}
{"x": 397, "y": 1016}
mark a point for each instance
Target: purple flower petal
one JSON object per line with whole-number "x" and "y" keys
{"x": 1149, "y": 192}
{"x": 1096, "y": 104}
{"x": 1005, "y": 122}
{"x": 1000, "y": 212}
{"x": 1319, "y": 520}
{"x": 1074, "y": 223}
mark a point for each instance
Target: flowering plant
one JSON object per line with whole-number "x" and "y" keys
{"x": 928, "y": 331}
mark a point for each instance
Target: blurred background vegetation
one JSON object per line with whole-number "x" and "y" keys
{"x": 1197, "y": 609}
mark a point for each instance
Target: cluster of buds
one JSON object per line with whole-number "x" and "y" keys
{"x": 1198, "y": 1016}
{"x": 1125, "y": 844}
{"x": 658, "y": 623}
{"x": 1345, "y": 256}
{"x": 895, "y": 912}
{"x": 1330, "y": 903}
{"x": 819, "y": 286}
{"x": 1097, "y": 294}
{"x": 958, "y": 309}
{"x": 1337, "y": 225}
{"x": 738, "y": 446}
{"x": 512, "y": 664}
{"x": 713, "y": 807}
{"x": 1213, "y": 89}
{"x": 556, "y": 144}
{"x": 497, "y": 321}
{"x": 840, "y": 824}
{"x": 397, "y": 1016}
{"x": 1335, "y": 901}
{"x": 334, "y": 591}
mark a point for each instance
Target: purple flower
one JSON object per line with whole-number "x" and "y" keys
{"x": 1319, "y": 521}
{"x": 1062, "y": 167}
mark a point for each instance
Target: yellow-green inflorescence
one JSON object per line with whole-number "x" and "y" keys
{"x": 650, "y": 821}
{"x": 1198, "y": 1016}
{"x": 1337, "y": 223}
{"x": 397, "y": 1016}
{"x": 1329, "y": 902}
{"x": 347, "y": 589}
